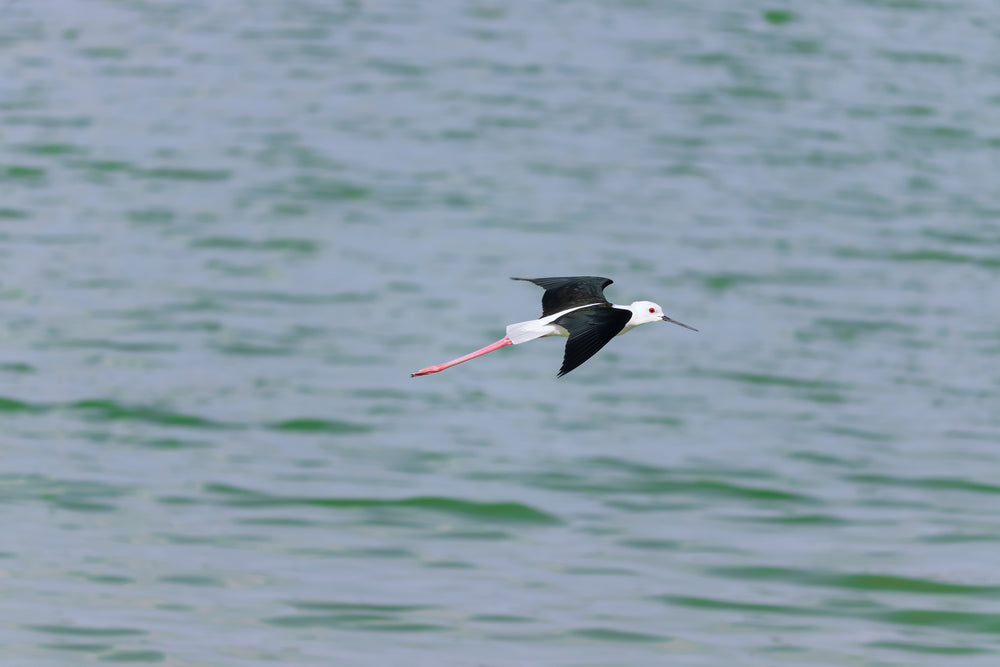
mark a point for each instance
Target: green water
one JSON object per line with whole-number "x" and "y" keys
{"x": 230, "y": 231}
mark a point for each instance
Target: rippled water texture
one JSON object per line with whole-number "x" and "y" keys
{"x": 229, "y": 231}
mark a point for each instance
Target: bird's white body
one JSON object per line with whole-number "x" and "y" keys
{"x": 643, "y": 312}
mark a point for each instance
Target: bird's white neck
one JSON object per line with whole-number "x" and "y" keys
{"x": 634, "y": 321}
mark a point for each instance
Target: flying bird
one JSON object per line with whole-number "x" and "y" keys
{"x": 572, "y": 307}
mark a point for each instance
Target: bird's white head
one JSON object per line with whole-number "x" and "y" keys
{"x": 644, "y": 312}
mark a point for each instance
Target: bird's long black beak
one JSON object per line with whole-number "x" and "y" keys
{"x": 680, "y": 324}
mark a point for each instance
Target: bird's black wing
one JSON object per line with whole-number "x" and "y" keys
{"x": 590, "y": 329}
{"x": 565, "y": 293}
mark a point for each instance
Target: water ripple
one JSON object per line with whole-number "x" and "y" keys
{"x": 483, "y": 511}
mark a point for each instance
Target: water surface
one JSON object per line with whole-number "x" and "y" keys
{"x": 228, "y": 234}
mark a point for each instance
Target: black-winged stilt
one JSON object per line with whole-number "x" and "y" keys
{"x": 572, "y": 307}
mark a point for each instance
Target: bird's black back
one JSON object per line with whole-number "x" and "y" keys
{"x": 569, "y": 292}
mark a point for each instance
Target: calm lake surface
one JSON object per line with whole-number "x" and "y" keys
{"x": 229, "y": 232}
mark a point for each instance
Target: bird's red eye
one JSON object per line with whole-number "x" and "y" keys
{"x": 652, "y": 310}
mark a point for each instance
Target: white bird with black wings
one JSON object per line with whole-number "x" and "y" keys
{"x": 575, "y": 308}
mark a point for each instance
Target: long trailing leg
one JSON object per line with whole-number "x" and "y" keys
{"x": 472, "y": 355}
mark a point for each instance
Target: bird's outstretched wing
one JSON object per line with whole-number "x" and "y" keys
{"x": 590, "y": 329}
{"x": 565, "y": 293}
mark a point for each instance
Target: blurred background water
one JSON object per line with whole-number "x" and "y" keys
{"x": 231, "y": 230}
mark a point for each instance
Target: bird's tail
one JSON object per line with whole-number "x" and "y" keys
{"x": 522, "y": 332}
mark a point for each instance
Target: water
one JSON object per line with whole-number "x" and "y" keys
{"x": 230, "y": 232}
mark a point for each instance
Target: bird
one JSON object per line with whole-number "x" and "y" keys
{"x": 572, "y": 307}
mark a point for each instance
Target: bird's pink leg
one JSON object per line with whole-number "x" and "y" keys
{"x": 472, "y": 355}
